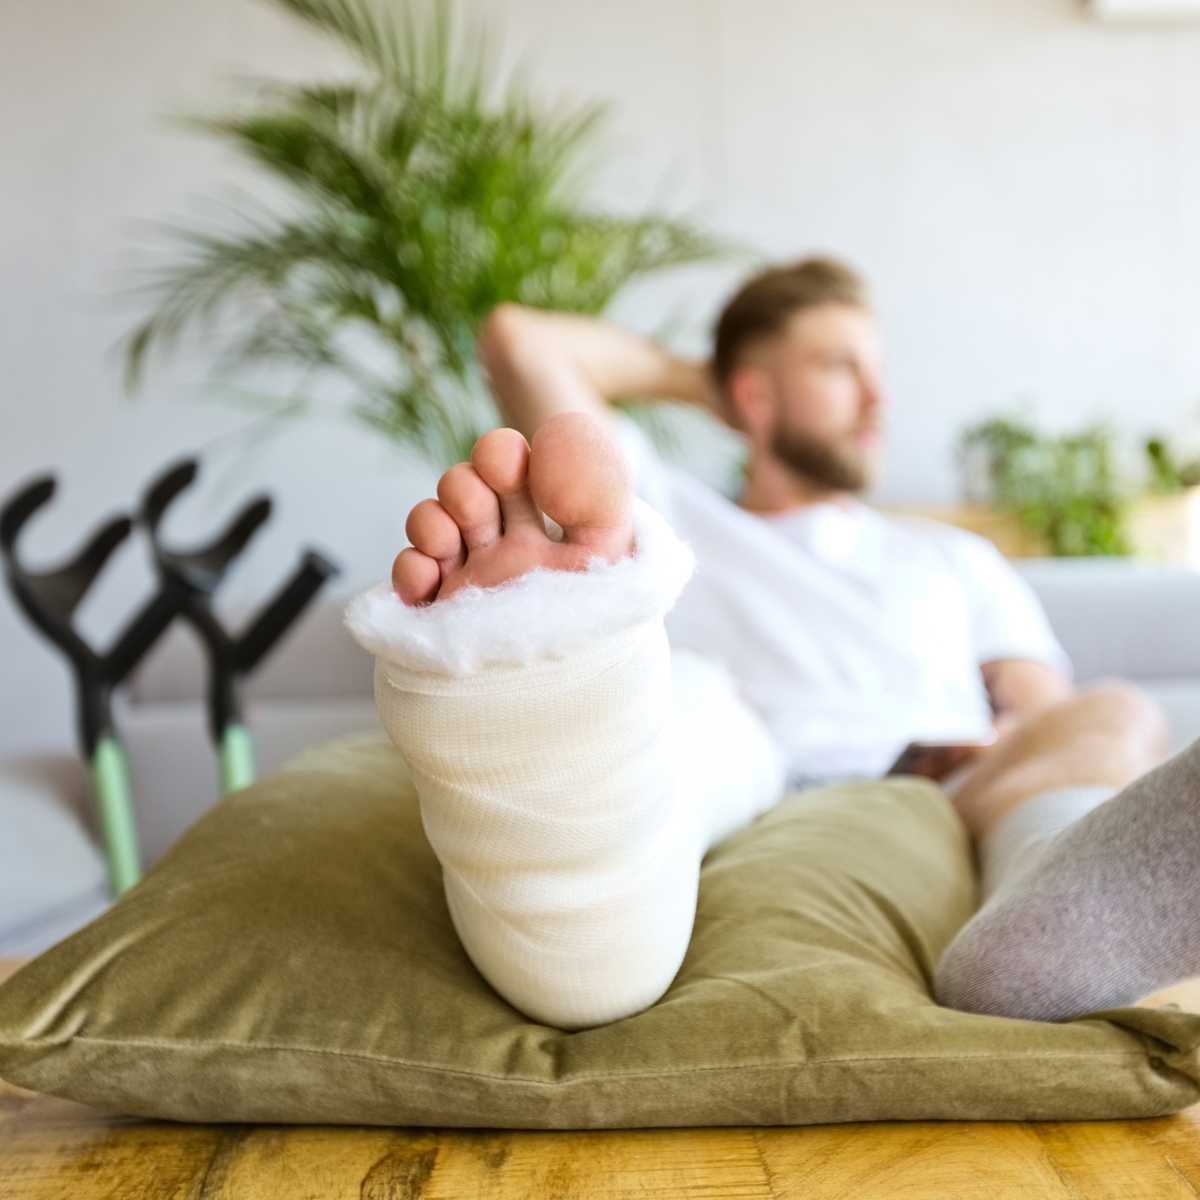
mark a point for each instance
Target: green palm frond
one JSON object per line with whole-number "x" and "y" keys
{"x": 421, "y": 196}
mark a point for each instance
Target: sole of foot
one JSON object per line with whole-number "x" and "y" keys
{"x": 486, "y": 526}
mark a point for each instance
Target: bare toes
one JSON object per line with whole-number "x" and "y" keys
{"x": 487, "y": 527}
{"x": 471, "y": 504}
{"x": 432, "y": 530}
{"x": 415, "y": 577}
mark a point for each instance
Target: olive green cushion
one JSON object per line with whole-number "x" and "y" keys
{"x": 292, "y": 959}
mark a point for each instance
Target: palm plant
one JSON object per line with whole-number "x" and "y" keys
{"x": 422, "y": 194}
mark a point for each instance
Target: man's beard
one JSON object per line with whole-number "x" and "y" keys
{"x": 823, "y": 463}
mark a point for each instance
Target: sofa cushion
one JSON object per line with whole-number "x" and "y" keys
{"x": 291, "y": 959}
{"x": 52, "y": 874}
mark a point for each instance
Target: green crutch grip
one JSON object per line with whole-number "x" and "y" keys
{"x": 110, "y": 777}
{"x": 237, "y": 758}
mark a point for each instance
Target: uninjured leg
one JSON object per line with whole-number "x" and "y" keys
{"x": 528, "y": 683}
{"x": 1090, "y": 855}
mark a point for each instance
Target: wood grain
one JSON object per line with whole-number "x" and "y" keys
{"x": 54, "y": 1150}
{"x": 51, "y": 1149}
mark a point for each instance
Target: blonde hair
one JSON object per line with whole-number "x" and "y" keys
{"x": 764, "y": 304}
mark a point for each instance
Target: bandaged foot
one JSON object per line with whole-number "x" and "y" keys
{"x": 571, "y": 775}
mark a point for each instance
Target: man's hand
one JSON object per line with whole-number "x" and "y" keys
{"x": 1018, "y": 687}
{"x": 539, "y": 364}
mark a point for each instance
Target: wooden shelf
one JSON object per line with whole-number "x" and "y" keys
{"x": 1162, "y": 529}
{"x": 1011, "y": 540}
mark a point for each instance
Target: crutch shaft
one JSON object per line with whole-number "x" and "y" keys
{"x": 110, "y": 777}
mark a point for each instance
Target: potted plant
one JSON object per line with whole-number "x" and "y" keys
{"x": 1064, "y": 492}
{"x": 418, "y": 195}
{"x": 1166, "y": 520}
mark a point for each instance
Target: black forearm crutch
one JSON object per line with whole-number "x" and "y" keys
{"x": 195, "y": 575}
{"x": 49, "y": 599}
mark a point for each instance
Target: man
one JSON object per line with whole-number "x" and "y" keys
{"x": 572, "y": 773}
{"x": 851, "y": 633}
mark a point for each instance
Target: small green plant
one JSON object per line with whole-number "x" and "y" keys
{"x": 1065, "y": 491}
{"x": 417, "y": 196}
{"x": 1167, "y": 473}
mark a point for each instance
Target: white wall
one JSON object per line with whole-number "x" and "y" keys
{"x": 1021, "y": 184}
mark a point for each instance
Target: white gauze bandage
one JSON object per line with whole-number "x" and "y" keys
{"x": 567, "y": 800}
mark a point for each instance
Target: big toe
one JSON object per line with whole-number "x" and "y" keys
{"x": 579, "y": 478}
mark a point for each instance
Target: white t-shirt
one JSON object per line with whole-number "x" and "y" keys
{"x": 851, "y": 632}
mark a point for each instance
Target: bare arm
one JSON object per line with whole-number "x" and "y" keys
{"x": 540, "y": 364}
{"x": 1019, "y": 686}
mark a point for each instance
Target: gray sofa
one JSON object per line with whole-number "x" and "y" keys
{"x": 1126, "y": 620}
{"x": 1115, "y": 619}
{"x": 316, "y": 687}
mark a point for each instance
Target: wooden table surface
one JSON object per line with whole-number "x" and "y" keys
{"x": 54, "y": 1150}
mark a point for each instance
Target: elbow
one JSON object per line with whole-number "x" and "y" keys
{"x": 502, "y": 335}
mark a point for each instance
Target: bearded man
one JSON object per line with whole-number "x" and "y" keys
{"x": 584, "y": 714}
{"x": 851, "y": 632}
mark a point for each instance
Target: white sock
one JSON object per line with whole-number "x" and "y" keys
{"x": 567, "y": 796}
{"x": 1021, "y": 836}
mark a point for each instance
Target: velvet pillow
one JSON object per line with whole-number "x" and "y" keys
{"x": 291, "y": 959}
